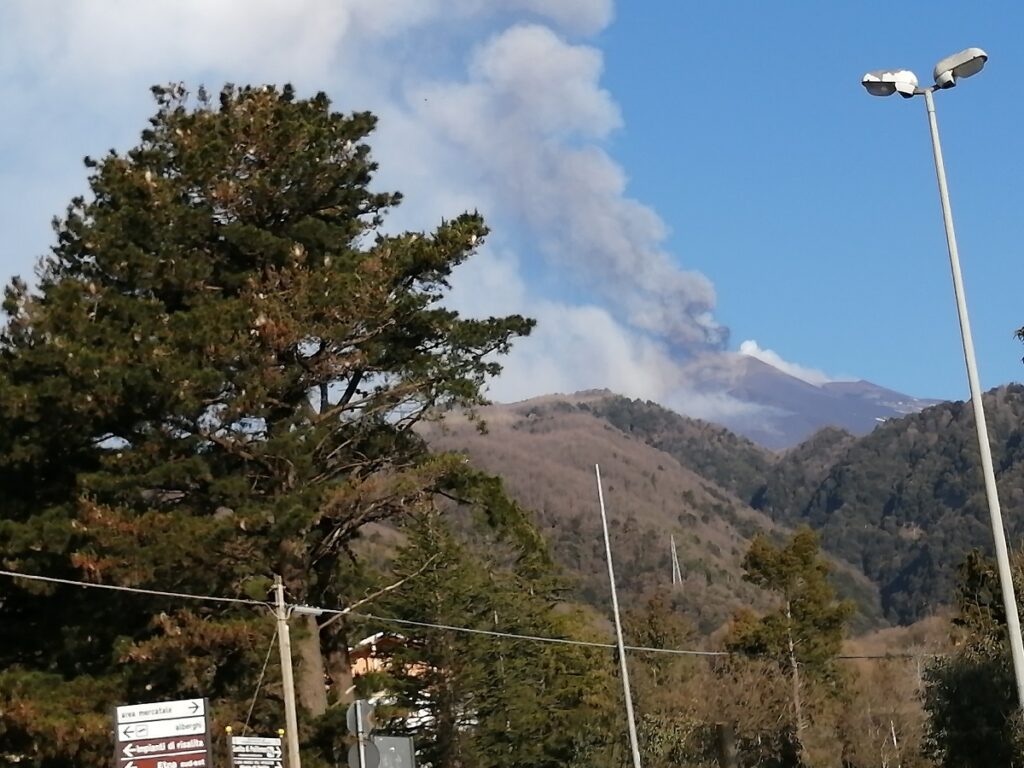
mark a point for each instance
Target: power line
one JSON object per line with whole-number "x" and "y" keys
{"x": 136, "y": 590}
{"x": 259, "y": 683}
{"x": 430, "y": 625}
{"x": 532, "y": 638}
{"x": 606, "y": 646}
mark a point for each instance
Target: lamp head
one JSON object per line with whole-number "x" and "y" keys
{"x": 886, "y": 82}
{"x": 964, "y": 64}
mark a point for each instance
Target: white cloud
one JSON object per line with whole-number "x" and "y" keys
{"x": 487, "y": 104}
{"x": 83, "y": 43}
{"x": 811, "y": 375}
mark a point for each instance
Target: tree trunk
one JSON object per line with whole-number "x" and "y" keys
{"x": 312, "y": 690}
{"x": 339, "y": 665}
{"x": 795, "y": 672}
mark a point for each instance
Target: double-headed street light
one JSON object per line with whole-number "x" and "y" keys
{"x": 904, "y": 82}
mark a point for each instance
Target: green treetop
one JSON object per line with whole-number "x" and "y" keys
{"x": 809, "y": 617}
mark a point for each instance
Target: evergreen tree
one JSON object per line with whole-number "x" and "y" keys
{"x": 803, "y": 635}
{"x": 666, "y": 687}
{"x": 480, "y": 700}
{"x": 810, "y": 622}
{"x": 215, "y": 379}
{"x": 971, "y": 699}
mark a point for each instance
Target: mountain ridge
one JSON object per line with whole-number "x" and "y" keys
{"x": 771, "y": 406}
{"x": 898, "y": 508}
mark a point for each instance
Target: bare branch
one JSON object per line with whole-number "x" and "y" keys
{"x": 380, "y": 592}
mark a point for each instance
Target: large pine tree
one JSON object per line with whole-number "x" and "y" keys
{"x": 215, "y": 378}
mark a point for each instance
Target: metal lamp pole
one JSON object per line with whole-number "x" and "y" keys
{"x": 991, "y": 491}
{"x": 885, "y": 83}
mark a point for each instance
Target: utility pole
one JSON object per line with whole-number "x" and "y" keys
{"x": 291, "y": 720}
{"x": 795, "y": 671}
{"x": 630, "y": 719}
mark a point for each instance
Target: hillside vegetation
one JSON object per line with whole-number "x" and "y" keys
{"x": 545, "y": 450}
{"x": 897, "y": 509}
{"x": 906, "y": 503}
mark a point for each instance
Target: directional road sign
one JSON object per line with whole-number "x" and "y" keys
{"x": 256, "y": 752}
{"x": 161, "y": 729}
{"x": 168, "y": 734}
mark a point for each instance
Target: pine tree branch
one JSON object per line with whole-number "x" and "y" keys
{"x": 350, "y": 390}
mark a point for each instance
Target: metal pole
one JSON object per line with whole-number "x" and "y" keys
{"x": 991, "y": 492}
{"x": 284, "y": 643}
{"x": 360, "y": 736}
{"x": 618, "y": 626}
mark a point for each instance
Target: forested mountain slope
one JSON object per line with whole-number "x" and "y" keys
{"x": 903, "y": 504}
{"x": 906, "y": 503}
{"x": 731, "y": 461}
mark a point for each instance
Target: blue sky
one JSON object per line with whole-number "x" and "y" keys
{"x": 813, "y": 207}
{"x": 654, "y": 171}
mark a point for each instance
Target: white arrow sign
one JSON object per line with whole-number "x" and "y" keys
{"x": 164, "y": 710}
{"x": 161, "y": 729}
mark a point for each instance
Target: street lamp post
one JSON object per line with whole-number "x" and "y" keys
{"x": 947, "y": 72}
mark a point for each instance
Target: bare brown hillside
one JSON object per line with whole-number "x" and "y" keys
{"x": 546, "y": 450}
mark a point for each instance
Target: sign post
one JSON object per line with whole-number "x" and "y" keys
{"x": 256, "y": 752}
{"x": 167, "y": 734}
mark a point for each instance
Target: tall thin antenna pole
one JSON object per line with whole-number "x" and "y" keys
{"x": 618, "y": 626}
{"x": 677, "y": 573}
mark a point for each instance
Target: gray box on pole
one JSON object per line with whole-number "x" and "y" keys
{"x": 363, "y": 755}
{"x": 359, "y": 718}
